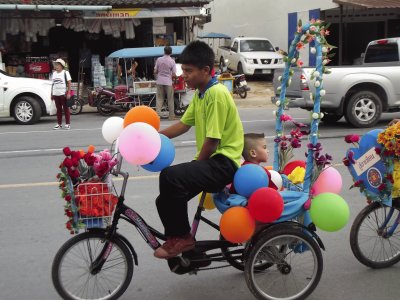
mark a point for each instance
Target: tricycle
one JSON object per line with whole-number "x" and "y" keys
{"x": 282, "y": 259}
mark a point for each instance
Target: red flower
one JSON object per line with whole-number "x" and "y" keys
{"x": 67, "y": 151}
{"x": 62, "y": 184}
{"x": 75, "y": 161}
{"x": 299, "y": 46}
{"x": 299, "y": 63}
{"x": 285, "y": 118}
{"x": 89, "y": 159}
{"x": 378, "y": 150}
{"x": 346, "y": 162}
{"x": 381, "y": 187}
{"x": 58, "y": 176}
{"x": 67, "y": 162}
{"x": 352, "y": 138}
{"x": 68, "y": 198}
{"x": 390, "y": 177}
{"x": 358, "y": 183}
{"x": 68, "y": 225}
{"x": 76, "y": 155}
{"x": 69, "y": 213}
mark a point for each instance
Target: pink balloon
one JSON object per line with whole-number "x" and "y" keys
{"x": 139, "y": 143}
{"x": 329, "y": 181}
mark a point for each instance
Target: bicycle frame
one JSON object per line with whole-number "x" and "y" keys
{"x": 152, "y": 236}
{"x": 392, "y": 229}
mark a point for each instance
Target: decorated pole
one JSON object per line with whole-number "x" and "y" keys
{"x": 315, "y": 30}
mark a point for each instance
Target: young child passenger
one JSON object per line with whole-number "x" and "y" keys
{"x": 219, "y": 141}
{"x": 255, "y": 151}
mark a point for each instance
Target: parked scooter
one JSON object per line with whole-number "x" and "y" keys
{"x": 240, "y": 86}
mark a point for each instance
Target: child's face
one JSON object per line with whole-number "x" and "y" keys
{"x": 260, "y": 152}
{"x": 194, "y": 76}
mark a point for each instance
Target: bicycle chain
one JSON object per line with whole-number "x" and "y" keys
{"x": 214, "y": 268}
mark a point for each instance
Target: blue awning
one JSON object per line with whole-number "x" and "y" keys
{"x": 214, "y": 35}
{"x": 145, "y": 52}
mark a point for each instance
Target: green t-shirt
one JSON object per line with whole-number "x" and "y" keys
{"x": 215, "y": 116}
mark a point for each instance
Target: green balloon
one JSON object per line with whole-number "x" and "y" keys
{"x": 329, "y": 212}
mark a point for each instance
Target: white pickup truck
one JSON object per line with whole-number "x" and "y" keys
{"x": 25, "y": 99}
{"x": 250, "y": 56}
{"x": 359, "y": 93}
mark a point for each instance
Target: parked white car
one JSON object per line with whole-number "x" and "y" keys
{"x": 250, "y": 56}
{"x": 25, "y": 99}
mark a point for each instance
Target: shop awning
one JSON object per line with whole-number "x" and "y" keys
{"x": 214, "y": 35}
{"x": 144, "y": 52}
{"x": 369, "y": 3}
{"x": 114, "y": 3}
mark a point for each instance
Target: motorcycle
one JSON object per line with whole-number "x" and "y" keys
{"x": 240, "y": 86}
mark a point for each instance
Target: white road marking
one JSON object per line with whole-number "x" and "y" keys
{"x": 54, "y": 183}
{"x": 95, "y": 129}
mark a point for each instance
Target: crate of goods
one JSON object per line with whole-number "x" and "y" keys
{"x": 145, "y": 87}
{"x": 227, "y": 82}
{"x": 74, "y": 89}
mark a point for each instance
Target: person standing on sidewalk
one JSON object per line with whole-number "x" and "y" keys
{"x": 60, "y": 92}
{"x": 165, "y": 70}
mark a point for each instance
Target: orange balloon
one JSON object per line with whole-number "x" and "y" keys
{"x": 237, "y": 225}
{"x": 143, "y": 114}
{"x": 269, "y": 167}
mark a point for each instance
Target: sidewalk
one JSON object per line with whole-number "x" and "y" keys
{"x": 259, "y": 95}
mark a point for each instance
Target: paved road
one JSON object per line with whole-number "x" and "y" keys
{"x": 32, "y": 221}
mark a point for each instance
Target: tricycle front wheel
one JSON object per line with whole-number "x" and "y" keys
{"x": 73, "y": 274}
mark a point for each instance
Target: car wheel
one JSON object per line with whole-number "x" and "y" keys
{"x": 27, "y": 110}
{"x": 363, "y": 109}
{"x": 240, "y": 68}
{"x": 331, "y": 117}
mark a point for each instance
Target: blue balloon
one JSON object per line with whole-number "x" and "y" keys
{"x": 164, "y": 158}
{"x": 250, "y": 178}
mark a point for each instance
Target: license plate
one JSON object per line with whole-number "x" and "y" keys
{"x": 243, "y": 83}
{"x": 266, "y": 71}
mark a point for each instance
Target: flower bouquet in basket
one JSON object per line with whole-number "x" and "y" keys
{"x": 86, "y": 187}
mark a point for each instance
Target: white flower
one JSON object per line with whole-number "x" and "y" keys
{"x": 317, "y": 84}
{"x": 293, "y": 60}
{"x": 290, "y": 81}
{"x": 308, "y": 32}
{"x": 278, "y": 103}
{"x": 315, "y": 116}
{"x": 321, "y": 115}
{"x": 274, "y": 112}
{"x": 313, "y": 28}
{"x": 311, "y": 96}
{"x": 322, "y": 93}
{"x": 280, "y": 78}
{"x": 316, "y": 74}
{"x": 325, "y": 62}
{"x": 279, "y": 88}
{"x": 313, "y": 50}
{"x": 324, "y": 49}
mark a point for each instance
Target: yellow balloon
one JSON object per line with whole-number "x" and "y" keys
{"x": 208, "y": 201}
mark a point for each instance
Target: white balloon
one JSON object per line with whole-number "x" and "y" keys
{"x": 276, "y": 178}
{"x": 112, "y": 128}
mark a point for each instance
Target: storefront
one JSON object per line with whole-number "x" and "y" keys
{"x": 33, "y": 33}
